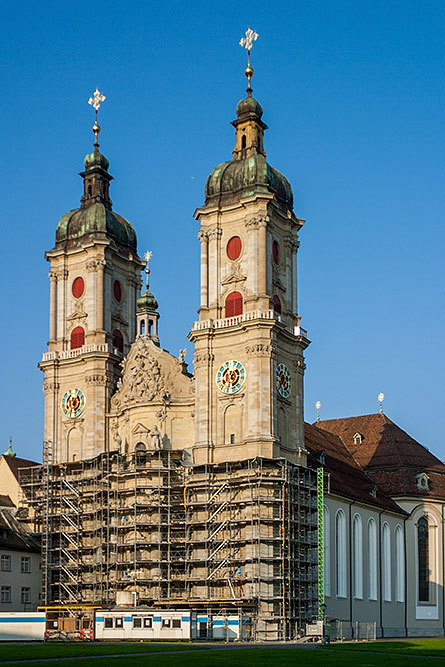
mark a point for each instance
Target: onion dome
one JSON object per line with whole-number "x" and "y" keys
{"x": 95, "y": 219}
{"x": 249, "y": 106}
{"x": 10, "y": 452}
{"x": 248, "y": 173}
{"x": 147, "y": 303}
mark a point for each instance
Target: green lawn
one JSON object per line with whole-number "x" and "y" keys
{"x": 286, "y": 657}
{"x": 32, "y": 651}
{"x": 432, "y": 647}
{"x": 344, "y": 655}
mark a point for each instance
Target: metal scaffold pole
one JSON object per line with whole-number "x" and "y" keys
{"x": 320, "y": 542}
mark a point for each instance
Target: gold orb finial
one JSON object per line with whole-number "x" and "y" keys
{"x": 96, "y": 130}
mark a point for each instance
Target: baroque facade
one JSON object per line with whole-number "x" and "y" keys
{"x": 199, "y": 490}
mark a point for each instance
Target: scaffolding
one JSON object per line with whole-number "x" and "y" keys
{"x": 162, "y": 531}
{"x": 251, "y": 540}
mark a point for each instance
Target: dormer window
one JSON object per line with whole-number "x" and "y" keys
{"x": 422, "y": 480}
{"x": 358, "y": 439}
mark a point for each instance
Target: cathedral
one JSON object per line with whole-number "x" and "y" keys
{"x": 205, "y": 490}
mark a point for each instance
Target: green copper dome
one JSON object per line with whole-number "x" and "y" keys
{"x": 249, "y": 106}
{"x": 231, "y": 181}
{"x": 96, "y": 159}
{"x": 147, "y": 302}
{"x": 96, "y": 221}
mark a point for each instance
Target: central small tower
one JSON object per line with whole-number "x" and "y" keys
{"x": 249, "y": 345}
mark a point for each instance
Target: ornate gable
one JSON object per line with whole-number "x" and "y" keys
{"x": 150, "y": 375}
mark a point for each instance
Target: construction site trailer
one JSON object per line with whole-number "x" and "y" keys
{"x": 233, "y": 627}
{"x": 22, "y": 626}
{"x": 130, "y": 624}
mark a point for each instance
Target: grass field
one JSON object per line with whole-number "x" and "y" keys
{"x": 379, "y": 654}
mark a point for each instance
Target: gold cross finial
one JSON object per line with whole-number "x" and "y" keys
{"x": 95, "y": 100}
{"x": 148, "y": 255}
{"x": 247, "y": 43}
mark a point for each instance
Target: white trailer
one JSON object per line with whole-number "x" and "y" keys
{"x": 136, "y": 624}
{"x": 22, "y": 626}
{"x": 225, "y": 627}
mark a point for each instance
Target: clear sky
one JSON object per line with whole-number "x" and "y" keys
{"x": 353, "y": 93}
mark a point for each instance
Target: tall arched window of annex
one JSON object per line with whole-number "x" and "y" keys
{"x": 386, "y": 563}
{"x": 426, "y": 549}
{"x": 399, "y": 564}
{"x": 372, "y": 559}
{"x": 327, "y": 551}
{"x": 341, "y": 563}
{"x": 357, "y": 557}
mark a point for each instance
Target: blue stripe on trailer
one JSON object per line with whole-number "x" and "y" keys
{"x": 157, "y": 619}
{"x": 202, "y": 619}
{"x": 226, "y": 622}
{"x": 100, "y": 619}
{"x": 19, "y": 619}
{"x": 128, "y": 619}
{"x": 185, "y": 619}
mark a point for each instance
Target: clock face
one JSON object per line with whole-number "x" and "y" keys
{"x": 230, "y": 376}
{"x": 73, "y": 403}
{"x": 283, "y": 381}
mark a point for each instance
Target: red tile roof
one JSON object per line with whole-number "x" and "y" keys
{"x": 345, "y": 475}
{"x": 391, "y": 457}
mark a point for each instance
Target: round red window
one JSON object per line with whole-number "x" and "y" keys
{"x": 117, "y": 290}
{"x": 234, "y": 247}
{"x": 78, "y": 287}
{"x": 275, "y": 252}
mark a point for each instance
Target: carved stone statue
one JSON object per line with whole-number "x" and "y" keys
{"x": 182, "y": 354}
{"x": 117, "y": 440}
{"x": 155, "y": 437}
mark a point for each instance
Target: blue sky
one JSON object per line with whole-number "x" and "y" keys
{"x": 353, "y": 94}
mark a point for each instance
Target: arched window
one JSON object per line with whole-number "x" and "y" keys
{"x": 357, "y": 557}
{"x": 275, "y": 252}
{"x": 77, "y": 338}
{"x": 140, "y": 452}
{"x": 340, "y": 554}
{"x": 386, "y": 562}
{"x": 277, "y": 304}
{"x": 142, "y": 327}
{"x": 243, "y": 141}
{"x": 423, "y": 560}
{"x": 327, "y": 552}
{"x": 234, "y": 304}
{"x": 118, "y": 340}
{"x": 399, "y": 559}
{"x": 372, "y": 560}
